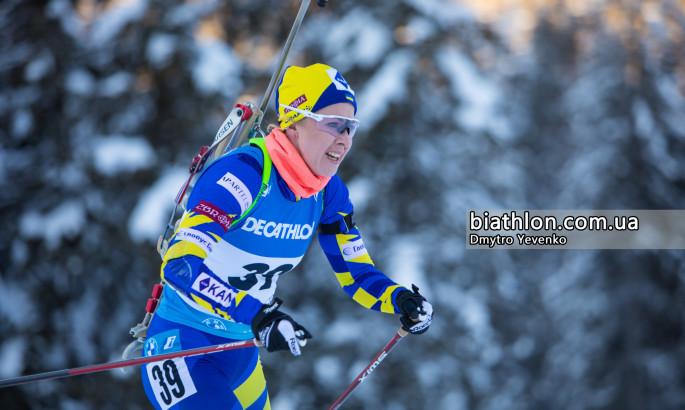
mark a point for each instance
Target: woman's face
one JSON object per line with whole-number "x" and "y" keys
{"x": 321, "y": 151}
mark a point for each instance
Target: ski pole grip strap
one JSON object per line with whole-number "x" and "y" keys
{"x": 342, "y": 226}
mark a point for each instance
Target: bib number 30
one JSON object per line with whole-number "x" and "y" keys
{"x": 258, "y": 273}
{"x": 171, "y": 382}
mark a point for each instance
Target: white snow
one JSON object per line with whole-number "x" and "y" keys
{"x": 445, "y": 13}
{"x": 116, "y": 154}
{"x": 83, "y": 323}
{"x": 217, "y": 69}
{"x": 12, "y": 357}
{"x": 160, "y": 49}
{"x": 407, "y": 267}
{"x": 108, "y": 24}
{"x": 644, "y": 120}
{"x": 39, "y": 67}
{"x": 361, "y": 191}
{"x": 420, "y": 28}
{"x": 61, "y": 10}
{"x": 153, "y": 210}
{"x": 22, "y": 123}
{"x": 13, "y": 295}
{"x": 342, "y": 331}
{"x": 479, "y": 94}
{"x": 64, "y": 221}
{"x": 359, "y": 35}
{"x": 80, "y": 82}
{"x": 328, "y": 369}
{"x": 116, "y": 84}
{"x": 190, "y": 12}
{"x": 388, "y": 85}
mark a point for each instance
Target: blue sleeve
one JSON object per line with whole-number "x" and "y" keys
{"x": 337, "y": 202}
{"x": 349, "y": 257}
{"x": 231, "y": 183}
{"x": 221, "y": 195}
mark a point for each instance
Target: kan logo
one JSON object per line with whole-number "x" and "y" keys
{"x": 203, "y": 284}
{"x": 213, "y": 289}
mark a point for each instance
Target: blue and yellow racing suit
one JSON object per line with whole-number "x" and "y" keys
{"x": 242, "y": 229}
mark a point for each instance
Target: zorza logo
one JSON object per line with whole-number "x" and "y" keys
{"x": 213, "y": 289}
{"x": 278, "y": 230}
{"x": 214, "y": 213}
{"x": 353, "y": 250}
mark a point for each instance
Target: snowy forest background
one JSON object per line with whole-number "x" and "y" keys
{"x": 554, "y": 104}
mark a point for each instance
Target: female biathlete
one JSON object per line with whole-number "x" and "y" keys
{"x": 249, "y": 220}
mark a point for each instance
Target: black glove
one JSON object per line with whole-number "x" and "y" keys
{"x": 417, "y": 313}
{"x": 278, "y": 331}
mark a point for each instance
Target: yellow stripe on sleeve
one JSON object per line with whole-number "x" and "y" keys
{"x": 192, "y": 220}
{"x": 344, "y": 239}
{"x": 364, "y": 298}
{"x": 239, "y": 296}
{"x": 365, "y": 258}
{"x": 252, "y": 389}
{"x": 184, "y": 248}
{"x": 202, "y": 302}
{"x": 386, "y": 300}
{"x": 345, "y": 278}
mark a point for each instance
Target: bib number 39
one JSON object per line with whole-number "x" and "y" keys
{"x": 171, "y": 382}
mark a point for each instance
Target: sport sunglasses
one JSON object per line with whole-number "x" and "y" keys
{"x": 331, "y": 124}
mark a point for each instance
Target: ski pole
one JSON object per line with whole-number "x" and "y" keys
{"x": 370, "y": 368}
{"x": 128, "y": 362}
{"x": 239, "y": 137}
{"x": 286, "y": 49}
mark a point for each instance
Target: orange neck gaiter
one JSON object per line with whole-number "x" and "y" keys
{"x": 292, "y": 167}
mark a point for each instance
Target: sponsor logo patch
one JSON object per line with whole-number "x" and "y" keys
{"x": 238, "y": 189}
{"x": 170, "y": 381}
{"x": 213, "y": 289}
{"x": 214, "y": 324}
{"x": 278, "y": 230}
{"x": 353, "y": 250}
{"x": 151, "y": 347}
{"x": 169, "y": 343}
{"x": 215, "y": 214}
{"x": 296, "y": 102}
{"x": 338, "y": 80}
{"x": 196, "y": 237}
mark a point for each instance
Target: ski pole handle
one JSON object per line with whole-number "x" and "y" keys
{"x": 370, "y": 368}
{"x": 128, "y": 362}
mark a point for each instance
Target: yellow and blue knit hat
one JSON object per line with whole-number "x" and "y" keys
{"x": 310, "y": 88}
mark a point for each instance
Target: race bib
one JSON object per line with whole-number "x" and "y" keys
{"x": 171, "y": 382}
